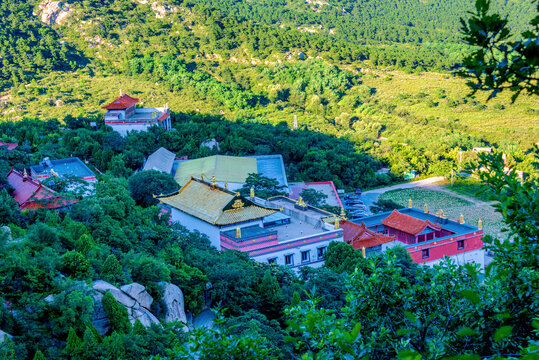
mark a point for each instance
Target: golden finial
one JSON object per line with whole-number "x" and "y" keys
{"x": 25, "y": 173}
{"x": 202, "y": 176}
{"x": 461, "y": 220}
{"x": 410, "y": 203}
{"x": 238, "y": 194}
{"x": 336, "y": 222}
{"x": 480, "y": 225}
{"x": 343, "y": 213}
{"x": 226, "y": 184}
{"x": 252, "y": 192}
{"x": 426, "y": 208}
{"x": 121, "y": 92}
{"x": 213, "y": 180}
{"x": 363, "y": 252}
{"x": 238, "y": 232}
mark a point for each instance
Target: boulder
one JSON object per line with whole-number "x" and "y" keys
{"x": 173, "y": 299}
{"x": 139, "y": 293}
{"x": 54, "y": 12}
{"x": 135, "y": 310}
{"x": 3, "y": 336}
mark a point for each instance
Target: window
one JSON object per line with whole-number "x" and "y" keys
{"x": 425, "y": 253}
{"x": 289, "y": 259}
{"x": 460, "y": 244}
{"x": 305, "y": 256}
{"x": 320, "y": 252}
{"x": 272, "y": 261}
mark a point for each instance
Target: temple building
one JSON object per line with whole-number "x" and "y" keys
{"x": 161, "y": 160}
{"x": 61, "y": 168}
{"x": 362, "y": 238}
{"x": 428, "y": 237}
{"x": 31, "y": 194}
{"x": 278, "y": 230}
{"x": 233, "y": 170}
{"x": 122, "y": 115}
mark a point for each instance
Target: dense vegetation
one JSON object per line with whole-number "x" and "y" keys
{"x": 214, "y": 53}
{"x": 28, "y": 47}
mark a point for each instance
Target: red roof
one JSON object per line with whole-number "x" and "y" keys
{"x": 123, "y": 102}
{"x": 359, "y": 236}
{"x": 10, "y": 146}
{"x": 163, "y": 117}
{"x": 407, "y": 223}
{"x": 31, "y": 194}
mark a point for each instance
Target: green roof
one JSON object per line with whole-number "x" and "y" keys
{"x": 225, "y": 168}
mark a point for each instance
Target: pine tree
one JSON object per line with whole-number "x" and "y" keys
{"x": 111, "y": 269}
{"x": 7, "y": 351}
{"x": 39, "y": 356}
{"x": 117, "y": 314}
{"x": 90, "y": 345}
{"x": 113, "y": 346}
{"x": 138, "y": 328}
{"x": 73, "y": 347}
{"x": 271, "y": 296}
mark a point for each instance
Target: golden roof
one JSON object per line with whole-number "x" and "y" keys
{"x": 214, "y": 205}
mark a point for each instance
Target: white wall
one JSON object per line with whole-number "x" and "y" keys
{"x": 475, "y": 256}
{"x": 296, "y": 251}
{"x": 193, "y": 223}
{"x": 122, "y": 129}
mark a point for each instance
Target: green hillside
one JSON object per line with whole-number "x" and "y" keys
{"x": 250, "y": 61}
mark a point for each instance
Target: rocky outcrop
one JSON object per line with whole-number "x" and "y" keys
{"x": 54, "y": 12}
{"x": 3, "y": 336}
{"x": 135, "y": 309}
{"x": 173, "y": 299}
{"x": 139, "y": 293}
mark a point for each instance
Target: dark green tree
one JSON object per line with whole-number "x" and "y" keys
{"x": 39, "y": 356}
{"x": 313, "y": 197}
{"x": 264, "y": 187}
{"x": 145, "y": 184}
{"x": 75, "y": 265}
{"x": 117, "y": 314}
{"x": 111, "y": 269}
{"x": 73, "y": 349}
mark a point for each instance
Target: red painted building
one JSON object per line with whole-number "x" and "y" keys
{"x": 31, "y": 194}
{"x": 123, "y": 116}
{"x": 360, "y": 237}
{"x": 9, "y": 146}
{"x": 430, "y": 237}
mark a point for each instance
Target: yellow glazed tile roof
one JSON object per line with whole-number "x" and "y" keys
{"x": 225, "y": 168}
{"x": 214, "y": 205}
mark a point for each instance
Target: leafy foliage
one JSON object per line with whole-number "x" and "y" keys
{"x": 500, "y": 62}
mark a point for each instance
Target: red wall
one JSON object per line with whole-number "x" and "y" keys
{"x": 446, "y": 247}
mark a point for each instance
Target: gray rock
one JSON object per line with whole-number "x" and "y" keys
{"x": 173, "y": 299}
{"x": 119, "y": 295}
{"x": 139, "y": 293}
{"x": 3, "y": 336}
{"x": 134, "y": 309}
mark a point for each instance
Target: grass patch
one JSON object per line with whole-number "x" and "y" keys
{"x": 472, "y": 188}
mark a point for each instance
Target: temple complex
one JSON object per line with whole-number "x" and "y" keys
{"x": 123, "y": 116}
{"x": 428, "y": 237}
{"x": 278, "y": 230}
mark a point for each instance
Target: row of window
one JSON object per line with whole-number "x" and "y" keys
{"x": 425, "y": 252}
{"x": 305, "y": 256}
